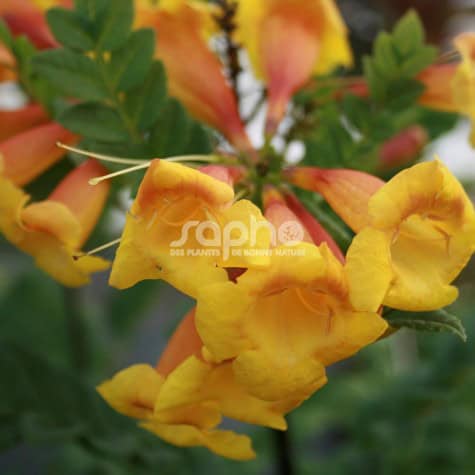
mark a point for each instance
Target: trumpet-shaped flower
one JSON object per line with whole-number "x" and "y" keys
{"x": 281, "y": 326}
{"x": 177, "y": 230}
{"x": 287, "y": 41}
{"x": 53, "y": 231}
{"x": 183, "y": 399}
{"x": 420, "y": 235}
{"x": 195, "y": 74}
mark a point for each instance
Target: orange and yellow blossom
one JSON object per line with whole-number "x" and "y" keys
{"x": 416, "y": 232}
{"x": 289, "y": 40}
{"x": 53, "y": 231}
{"x": 183, "y": 399}
{"x": 23, "y": 157}
{"x": 195, "y": 74}
{"x": 175, "y": 230}
{"x": 282, "y": 325}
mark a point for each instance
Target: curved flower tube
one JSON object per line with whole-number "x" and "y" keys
{"x": 194, "y": 72}
{"x": 176, "y": 230}
{"x": 28, "y": 154}
{"x": 346, "y": 191}
{"x": 13, "y": 122}
{"x": 287, "y": 41}
{"x": 53, "y": 231}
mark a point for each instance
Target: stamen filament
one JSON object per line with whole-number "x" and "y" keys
{"x": 195, "y": 158}
{"x": 103, "y": 247}
{"x": 99, "y": 156}
{"x": 97, "y": 180}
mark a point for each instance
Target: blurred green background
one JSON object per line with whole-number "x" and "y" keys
{"x": 405, "y": 405}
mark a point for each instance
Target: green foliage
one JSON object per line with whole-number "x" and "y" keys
{"x": 436, "y": 321}
{"x": 350, "y": 132}
{"x": 397, "y": 59}
{"x": 124, "y": 108}
{"x": 47, "y": 405}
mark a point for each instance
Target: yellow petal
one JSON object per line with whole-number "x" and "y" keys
{"x": 224, "y": 443}
{"x": 368, "y": 269}
{"x": 431, "y": 222}
{"x": 133, "y": 391}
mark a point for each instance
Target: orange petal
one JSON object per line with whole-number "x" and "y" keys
{"x": 88, "y": 208}
{"x": 347, "y": 191}
{"x": 317, "y": 232}
{"x": 30, "y": 153}
{"x": 13, "y": 122}
{"x": 184, "y": 343}
{"x": 195, "y": 74}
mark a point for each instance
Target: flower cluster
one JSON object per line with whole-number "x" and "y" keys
{"x": 277, "y": 300}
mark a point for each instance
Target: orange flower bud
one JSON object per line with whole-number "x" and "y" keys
{"x": 195, "y": 74}
{"x": 317, "y": 232}
{"x": 184, "y": 343}
{"x": 403, "y": 148}
{"x": 88, "y": 208}
{"x": 13, "y": 122}
{"x": 30, "y": 153}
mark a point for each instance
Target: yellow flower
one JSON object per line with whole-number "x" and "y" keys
{"x": 53, "y": 231}
{"x": 420, "y": 234}
{"x": 463, "y": 84}
{"x": 281, "y": 326}
{"x": 183, "y": 399}
{"x": 195, "y": 74}
{"x": 287, "y": 41}
{"x": 176, "y": 230}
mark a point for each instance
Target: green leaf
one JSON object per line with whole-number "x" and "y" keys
{"x": 115, "y": 23}
{"x": 409, "y": 33}
{"x": 69, "y": 29}
{"x": 130, "y": 65}
{"x": 145, "y": 103}
{"x": 397, "y": 57}
{"x": 5, "y": 35}
{"x": 172, "y": 132}
{"x": 74, "y": 74}
{"x": 436, "y": 321}
{"x": 95, "y": 121}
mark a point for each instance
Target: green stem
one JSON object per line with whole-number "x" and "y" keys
{"x": 284, "y": 452}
